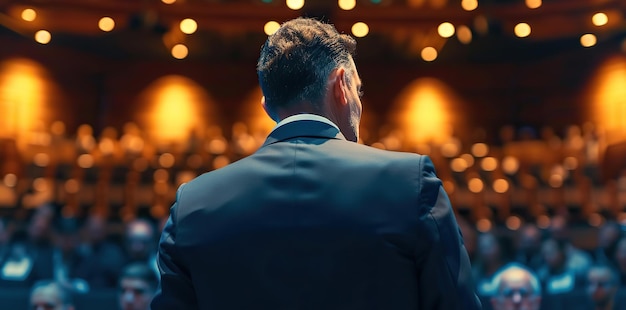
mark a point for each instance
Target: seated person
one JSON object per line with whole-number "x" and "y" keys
{"x": 602, "y": 286}
{"x": 556, "y": 276}
{"x": 49, "y": 295}
{"x": 138, "y": 284}
{"x": 517, "y": 288}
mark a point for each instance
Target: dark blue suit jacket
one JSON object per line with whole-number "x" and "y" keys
{"x": 313, "y": 221}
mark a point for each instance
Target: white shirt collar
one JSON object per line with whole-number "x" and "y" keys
{"x": 305, "y": 116}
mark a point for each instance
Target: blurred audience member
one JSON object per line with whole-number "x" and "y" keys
{"x": 490, "y": 257}
{"x": 101, "y": 260}
{"x": 556, "y": 276}
{"x": 30, "y": 254}
{"x": 138, "y": 284}
{"x": 66, "y": 256}
{"x": 608, "y": 236}
{"x": 49, "y": 295}
{"x": 529, "y": 247}
{"x": 620, "y": 260}
{"x": 5, "y": 236}
{"x": 517, "y": 288}
{"x": 141, "y": 243}
{"x": 576, "y": 259}
{"x": 602, "y": 286}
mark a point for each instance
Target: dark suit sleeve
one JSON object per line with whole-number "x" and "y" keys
{"x": 444, "y": 268}
{"x": 176, "y": 289}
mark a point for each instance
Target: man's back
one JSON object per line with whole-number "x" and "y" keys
{"x": 312, "y": 221}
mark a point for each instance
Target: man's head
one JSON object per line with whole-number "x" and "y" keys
{"x": 140, "y": 240}
{"x": 554, "y": 253}
{"x": 49, "y": 295}
{"x": 602, "y": 284}
{"x": 138, "y": 284}
{"x": 517, "y": 289}
{"x": 306, "y": 66}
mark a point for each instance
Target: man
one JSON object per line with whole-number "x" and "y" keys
{"x": 602, "y": 285}
{"x": 313, "y": 220}
{"x": 138, "y": 283}
{"x": 517, "y": 289}
{"x": 49, "y": 295}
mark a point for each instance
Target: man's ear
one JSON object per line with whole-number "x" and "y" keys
{"x": 339, "y": 86}
{"x": 268, "y": 110}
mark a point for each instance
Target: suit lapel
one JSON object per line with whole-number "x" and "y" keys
{"x": 303, "y": 128}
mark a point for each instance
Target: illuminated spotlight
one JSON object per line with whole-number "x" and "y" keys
{"x": 510, "y": 164}
{"x": 445, "y": 30}
{"x": 346, "y": 4}
{"x": 106, "y": 24}
{"x": 168, "y": 1}
{"x": 533, "y": 4}
{"x": 475, "y": 185}
{"x": 500, "y": 186}
{"x": 188, "y": 26}
{"x": 458, "y": 165}
{"x": 588, "y": 40}
{"x": 522, "y": 30}
{"x": 180, "y": 51}
{"x": 469, "y": 5}
{"x": 599, "y": 19}
{"x": 469, "y": 159}
{"x": 483, "y": 225}
{"x": 464, "y": 34}
{"x": 513, "y": 222}
{"x": 480, "y": 149}
{"x": 489, "y": 163}
{"x": 43, "y": 36}
{"x": 360, "y": 29}
{"x": 29, "y": 15}
{"x": 271, "y": 27}
{"x": 295, "y": 4}
{"x": 429, "y": 53}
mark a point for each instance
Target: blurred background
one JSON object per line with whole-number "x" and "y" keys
{"x": 107, "y": 106}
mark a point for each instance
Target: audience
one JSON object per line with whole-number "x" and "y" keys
{"x": 608, "y": 236}
{"x": 620, "y": 260}
{"x": 529, "y": 247}
{"x": 517, "y": 288}
{"x": 138, "y": 284}
{"x": 49, "y": 295}
{"x": 141, "y": 243}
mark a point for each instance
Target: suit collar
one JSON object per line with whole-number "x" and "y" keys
{"x": 303, "y": 128}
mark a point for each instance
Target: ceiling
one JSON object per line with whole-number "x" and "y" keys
{"x": 232, "y": 30}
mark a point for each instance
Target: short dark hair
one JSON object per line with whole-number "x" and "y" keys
{"x": 297, "y": 59}
{"x": 142, "y": 272}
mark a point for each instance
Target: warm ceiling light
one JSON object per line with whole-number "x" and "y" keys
{"x": 295, "y": 4}
{"x": 445, "y": 30}
{"x": 480, "y": 149}
{"x": 168, "y": 1}
{"x": 43, "y": 36}
{"x": 346, "y": 4}
{"x": 29, "y": 15}
{"x": 469, "y": 5}
{"x": 464, "y": 34}
{"x": 360, "y": 29}
{"x": 513, "y": 223}
{"x": 500, "y": 186}
{"x": 106, "y": 24}
{"x": 475, "y": 185}
{"x": 533, "y": 4}
{"x": 588, "y": 40}
{"x": 599, "y": 19}
{"x": 188, "y": 26}
{"x": 522, "y": 30}
{"x": 180, "y": 51}
{"x": 271, "y": 27}
{"x": 429, "y": 53}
